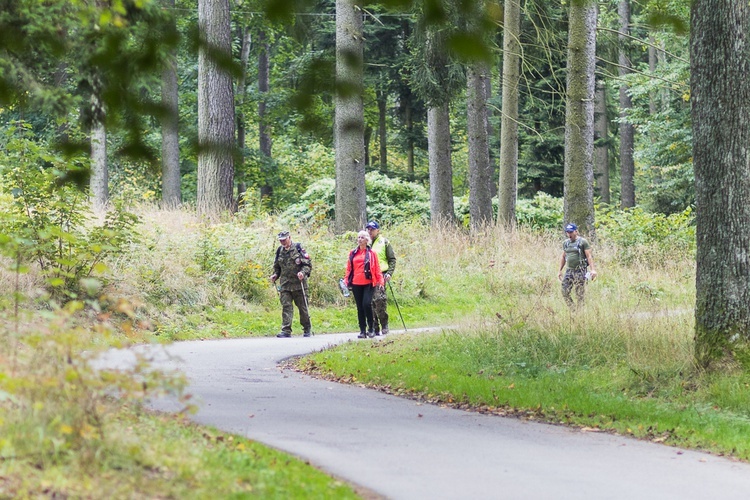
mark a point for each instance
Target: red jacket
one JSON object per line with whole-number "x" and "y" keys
{"x": 356, "y": 261}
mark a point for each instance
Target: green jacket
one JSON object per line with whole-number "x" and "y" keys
{"x": 386, "y": 255}
{"x": 288, "y": 263}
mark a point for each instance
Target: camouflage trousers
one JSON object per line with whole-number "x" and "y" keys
{"x": 288, "y": 299}
{"x": 380, "y": 309}
{"x": 574, "y": 279}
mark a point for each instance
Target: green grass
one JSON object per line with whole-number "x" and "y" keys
{"x": 163, "y": 456}
{"x": 631, "y": 378}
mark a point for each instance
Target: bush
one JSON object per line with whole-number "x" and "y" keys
{"x": 649, "y": 237}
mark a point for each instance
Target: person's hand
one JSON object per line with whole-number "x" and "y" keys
{"x": 593, "y": 275}
{"x": 559, "y": 275}
{"x": 273, "y": 278}
{"x": 301, "y": 275}
{"x": 387, "y": 278}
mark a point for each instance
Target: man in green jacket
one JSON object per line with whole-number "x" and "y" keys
{"x": 387, "y": 259}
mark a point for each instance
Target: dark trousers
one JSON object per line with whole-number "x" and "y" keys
{"x": 363, "y": 299}
{"x": 574, "y": 279}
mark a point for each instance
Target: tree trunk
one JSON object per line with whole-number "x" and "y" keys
{"x": 579, "y": 118}
{"x": 441, "y": 168}
{"x": 480, "y": 201}
{"x": 382, "y": 98}
{"x": 351, "y": 203}
{"x": 720, "y": 95}
{"x": 601, "y": 142}
{"x": 171, "y": 194}
{"x": 264, "y": 134}
{"x": 409, "y": 141}
{"x": 652, "y": 108}
{"x": 508, "y": 184}
{"x": 99, "y": 181}
{"x": 627, "y": 164}
{"x": 246, "y": 39}
{"x": 215, "y": 111}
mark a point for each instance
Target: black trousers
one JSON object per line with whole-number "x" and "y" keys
{"x": 363, "y": 299}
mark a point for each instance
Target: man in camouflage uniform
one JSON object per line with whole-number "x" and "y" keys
{"x": 387, "y": 259}
{"x": 292, "y": 268}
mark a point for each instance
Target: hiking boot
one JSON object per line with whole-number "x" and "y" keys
{"x": 307, "y": 334}
{"x": 361, "y": 335}
{"x": 385, "y": 330}
{"x": 283, "y": 335}
{"x": 377, "y": 333}
{"x": 371, "y": 333}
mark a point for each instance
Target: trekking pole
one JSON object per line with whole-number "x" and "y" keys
{"x": 307, "y": 305}
{"x": 397, "y": 307}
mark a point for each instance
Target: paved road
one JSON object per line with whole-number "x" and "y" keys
{"x": 400, "y": 449}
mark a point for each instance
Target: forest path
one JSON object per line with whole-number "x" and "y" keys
{"x": 398, "y": 448}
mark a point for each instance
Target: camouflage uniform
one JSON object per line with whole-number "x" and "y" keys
{"x": 286, "y": 266}
{"x": 387, "y": 259}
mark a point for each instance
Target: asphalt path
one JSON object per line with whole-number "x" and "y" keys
{"x": 398, "y": 448}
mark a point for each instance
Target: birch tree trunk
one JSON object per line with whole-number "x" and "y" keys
{"x": 171, "y": 193}
{"x": 508, "y": 183}
{"x": 480, "y": 201}
{"x": 627, "y": 164}
{"x": 579, "y": 117}
{"x": 351, "y": 201}
{"x": 99, "y": 181}
{"x": 215, "y": 111}
{"x": 720, "y": 95}
{"x": 441, "y": 168}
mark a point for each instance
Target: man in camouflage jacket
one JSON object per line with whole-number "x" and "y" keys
{"x": 292, "y": 268}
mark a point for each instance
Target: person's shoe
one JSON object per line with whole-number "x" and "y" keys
{"x": 283, "y": 335}
{"x": 371, "y": 333}
{"x": 385, "y": 330}
{"x": 362, "y": 335}
{"x": 377, "y": 333}
{"x": 307, "y": 334}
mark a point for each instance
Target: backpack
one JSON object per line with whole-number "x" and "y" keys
{"x": 581, "y": 254}
{"x": 302, "y": 253}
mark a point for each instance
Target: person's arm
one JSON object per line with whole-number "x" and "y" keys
{"x": 390, "y": 256}
{"x": 562, "y": 266}
{"x": 590, "y": 260}
{"x": 377, "y": 275}
{"x": 304, "y": 267}
{"x": 348, "y": 269}
{"x": 276, "y": 268}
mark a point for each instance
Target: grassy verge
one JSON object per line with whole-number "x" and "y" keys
{"x": 164, "y": 456}
{"x": 631, "y": 378}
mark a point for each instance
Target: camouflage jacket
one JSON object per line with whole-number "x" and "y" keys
{"x": 288, "y": 263}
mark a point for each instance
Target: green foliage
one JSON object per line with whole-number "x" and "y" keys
{"x": 250, "y": 281}
{"x": 543, "y": 212}
{"x": 647, "y": 237}
{"x": 388, "y": 201}
{"x": 50, "y": 224}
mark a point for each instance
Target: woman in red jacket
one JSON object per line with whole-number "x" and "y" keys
{"x": 362, "y": 276}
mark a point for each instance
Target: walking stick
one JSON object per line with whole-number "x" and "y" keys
{"x": 397, "y": 307}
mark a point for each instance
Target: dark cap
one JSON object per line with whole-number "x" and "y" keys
{"x": 283, "y": 235}
{"x": 372, "y": 225}
{"x": 570, "y": 228}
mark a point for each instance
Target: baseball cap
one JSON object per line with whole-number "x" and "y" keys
{"x": 283, "y": 235}
{"x": 570, "y": 228}
{"x": 372, "y": 225}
